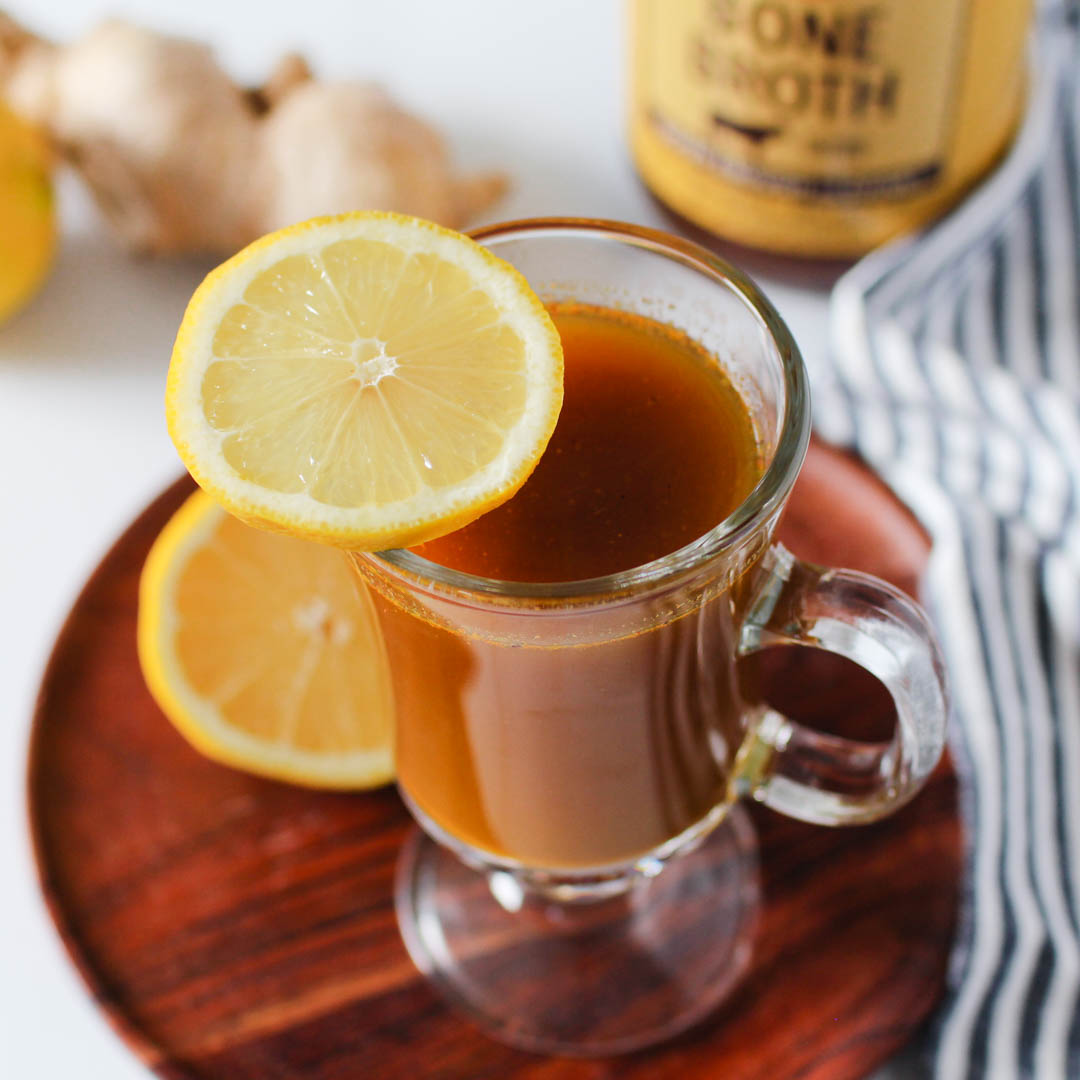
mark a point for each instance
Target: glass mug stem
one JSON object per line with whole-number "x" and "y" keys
{"x": 825, "y": 779}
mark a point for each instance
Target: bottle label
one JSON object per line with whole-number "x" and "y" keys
{"x": 814, "y": 97}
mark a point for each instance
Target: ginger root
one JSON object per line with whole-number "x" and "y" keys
{"x": 181, "y": 159}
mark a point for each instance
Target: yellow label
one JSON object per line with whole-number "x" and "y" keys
{"x": 824, "y": 97}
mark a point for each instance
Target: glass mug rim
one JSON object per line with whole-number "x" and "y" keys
{"x": 767, "y": 496}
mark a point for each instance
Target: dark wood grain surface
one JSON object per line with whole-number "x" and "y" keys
{"x": 233, "y": 928}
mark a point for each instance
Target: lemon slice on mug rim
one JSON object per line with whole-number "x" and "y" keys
{"x": 368, "y": 380}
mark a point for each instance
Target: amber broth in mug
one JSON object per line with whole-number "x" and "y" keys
{"x": 611, "y": 748}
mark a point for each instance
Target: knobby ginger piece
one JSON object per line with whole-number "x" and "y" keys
{"x": 181, "y": 159}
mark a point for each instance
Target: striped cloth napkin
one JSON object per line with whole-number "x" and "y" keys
{"x": 955, "y": 373}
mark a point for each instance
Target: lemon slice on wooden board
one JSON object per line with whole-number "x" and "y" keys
{"x": 369, "y": 380}
{"x": 265, "y": 651}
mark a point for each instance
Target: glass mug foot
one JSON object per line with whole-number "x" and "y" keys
{"x": 606, "y": 975}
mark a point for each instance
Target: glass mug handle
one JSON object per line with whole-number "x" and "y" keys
{"x": 825, "y": 779}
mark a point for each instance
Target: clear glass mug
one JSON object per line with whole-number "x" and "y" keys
{"x": 574, "y": 752}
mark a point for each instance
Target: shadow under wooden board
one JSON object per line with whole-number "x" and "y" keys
{"x": 234, "y": 928}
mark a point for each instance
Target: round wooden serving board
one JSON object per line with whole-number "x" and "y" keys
{"x": 238, "y": 929}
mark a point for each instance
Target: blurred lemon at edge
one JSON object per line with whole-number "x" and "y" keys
{"x": 27, "y": 213}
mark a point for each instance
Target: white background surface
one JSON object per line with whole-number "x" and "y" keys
{"x": 533, "y": 88}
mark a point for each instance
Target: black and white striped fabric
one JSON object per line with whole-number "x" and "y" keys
{"x": 955, "y": 372}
